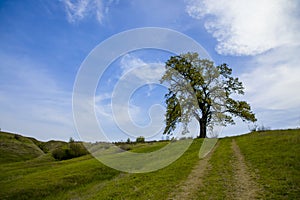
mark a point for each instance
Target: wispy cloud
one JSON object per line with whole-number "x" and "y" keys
{"x": 148, "y": 72}
{"x": 32, "y": 101}
{"x": 266, "y": 30}
{"x": 248, "y": 27}
{"x": 118, "y": 111}
{"x": 271, "y": 86}
{"x": 80, "y": 9}
{"x": 273, "y": 82}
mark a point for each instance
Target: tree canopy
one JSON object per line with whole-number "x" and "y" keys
{"x": 199, "y": 89}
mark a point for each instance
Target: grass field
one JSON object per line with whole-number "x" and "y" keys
{"x": 271, "y": 162}
{"x": 275, "y": 157}
{"x": 218, "y": 182}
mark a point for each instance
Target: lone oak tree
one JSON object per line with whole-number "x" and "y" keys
{"x": 197, "y": 88}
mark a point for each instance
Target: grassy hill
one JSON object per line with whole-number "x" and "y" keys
{"x": 14, "y": 147}
{"x": 262, "y": 165}
{"x": 275, "y": 157}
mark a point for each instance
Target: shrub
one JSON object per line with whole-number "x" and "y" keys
{"x": 77, "y": 149}
{"x": 72, "y": 150}
{"x": 61, "y": 154}
{"x": 140, "y": 139}
{"x": 17, "y": 137}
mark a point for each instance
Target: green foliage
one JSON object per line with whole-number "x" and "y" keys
{"x": 198, "y": 88}
{"x": 72, "y": 150}
{"x": 71, "y": 140}
{"x": 61, "y": 154}
{"x": 140, "y": 139}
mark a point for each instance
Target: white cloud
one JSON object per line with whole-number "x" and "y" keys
{"x": 148, "y": 72}
{"x": 272, "y": 87}
{"x": 274, "y": 83}
{"x": 101, "y": 97}
{"x": 244, "y": 27}
{"x": 80, "y": 9}
{"x": 268, "y": 30}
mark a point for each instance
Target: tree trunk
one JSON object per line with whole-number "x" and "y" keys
{"x": 202, "y": 124}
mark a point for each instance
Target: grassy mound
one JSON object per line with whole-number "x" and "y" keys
{"x": 14, "y": 148}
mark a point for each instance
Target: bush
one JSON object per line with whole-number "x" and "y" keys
{"x": 72, "y": 150}
{"x": 140, "y": 139}
{"x": 77, "y": 149}
{"x": 61, "y": 154}
{"x": 17, "y": 137}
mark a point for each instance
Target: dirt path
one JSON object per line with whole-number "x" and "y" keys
{"x": 193, "y": 183}
{"x": 245, "y": 186}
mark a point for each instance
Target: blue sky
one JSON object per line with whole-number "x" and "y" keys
{"x": 44, "y": 42}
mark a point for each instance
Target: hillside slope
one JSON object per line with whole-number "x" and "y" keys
{"x": 14, "y": 147}
{"x": 275, "y": 157}
{"x": 261, "y": 165}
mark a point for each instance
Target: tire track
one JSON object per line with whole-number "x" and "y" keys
{"x": 188, "y": 188}
{"x": 245, "y": 186}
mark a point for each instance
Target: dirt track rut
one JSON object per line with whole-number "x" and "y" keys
{"x": 189, "y": 188}
{"x": 245, "y": 186}
{"x": 243, "y": 183}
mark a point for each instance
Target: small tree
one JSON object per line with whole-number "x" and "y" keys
{"x": 71, "y": 140}
{"x": 71, "y": 150}
{"x": 140, "y": 139}
{"x": 77, "y": 149}
{"x": 200, "y": 90}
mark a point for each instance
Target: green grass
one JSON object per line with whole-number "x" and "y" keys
{"x": 275, "y": 157}
{"x": 15, "y": 148}
{"x": 86, "y": 177}
{"x": 148, "y": 147}
{"x": 218, "y": 182}
{"x": 272, "y": 155}
{"x": 52, "y": 145}
{"x": 154, "y": 185}
{"x": 31, "y": 180}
